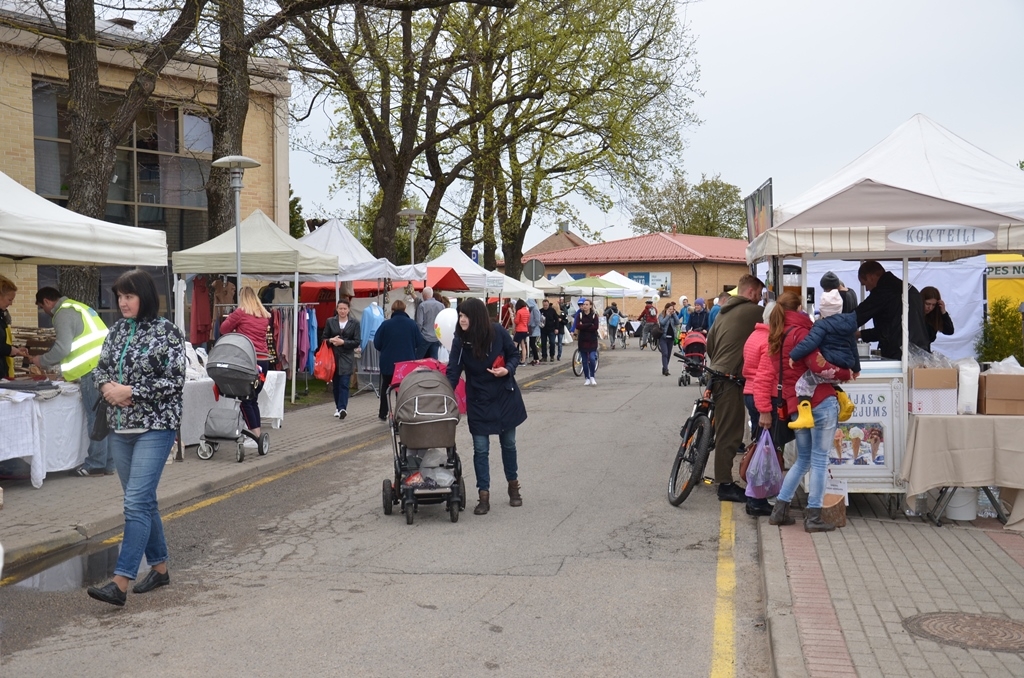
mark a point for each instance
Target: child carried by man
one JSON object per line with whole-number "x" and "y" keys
{"x": 835, "y": 335}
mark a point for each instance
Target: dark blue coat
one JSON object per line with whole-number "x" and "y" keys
{"x": 398, "y": 339}
{"x": 835, "y": 337}
{"x": 493, "y": 405}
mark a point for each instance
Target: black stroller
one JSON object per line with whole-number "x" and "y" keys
{"x": 424, "y": 415}
{"x": 232, "y": 366}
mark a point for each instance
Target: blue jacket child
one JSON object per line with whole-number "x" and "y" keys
{"x": 835, "y": 336}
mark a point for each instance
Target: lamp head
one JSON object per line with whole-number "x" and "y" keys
{"x": 235, "y": 161}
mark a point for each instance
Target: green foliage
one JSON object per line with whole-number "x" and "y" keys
{"x": 296, "y": 224}
{"x": 712, "y": 207}
{"x": 1001, "y": 333}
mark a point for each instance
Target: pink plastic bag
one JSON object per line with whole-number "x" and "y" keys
{"x": 764, "y": 477}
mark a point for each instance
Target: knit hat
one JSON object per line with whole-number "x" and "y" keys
{"x": 830, "y": 281}
{"x": 768, "y": 308}
{"x": 699, "y": 301}
{"x": 831, "y": 303}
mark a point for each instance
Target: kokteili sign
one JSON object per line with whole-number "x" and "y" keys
{"x": 940, "y": 237}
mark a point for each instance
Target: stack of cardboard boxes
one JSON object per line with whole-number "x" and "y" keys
{"x": 1001, "y": 394}
{"x": 934, "y": 391}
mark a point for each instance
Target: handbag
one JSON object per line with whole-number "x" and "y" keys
{"x": 780, "y": 431}
{"x": 323, "y": 362}
{"x": 657, "y": 332}
{"x": 100, "y": 428}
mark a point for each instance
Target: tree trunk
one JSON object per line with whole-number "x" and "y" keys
{"x": 385, "y": 226}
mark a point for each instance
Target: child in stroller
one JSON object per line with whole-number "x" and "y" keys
{"x": 232, "y": 366}
{"x": 695, "y": 348}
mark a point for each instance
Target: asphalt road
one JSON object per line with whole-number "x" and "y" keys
{"x": 595, "y": 575}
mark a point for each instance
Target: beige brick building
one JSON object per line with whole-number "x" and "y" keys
{"x": 162, "y": 166}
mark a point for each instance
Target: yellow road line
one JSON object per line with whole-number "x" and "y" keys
{"x": 537, "y": 381}
{"x": 723, "y": 644}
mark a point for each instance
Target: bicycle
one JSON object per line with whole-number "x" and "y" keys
{"x": 698, "y": 434}
{"x": 577, "y": 362}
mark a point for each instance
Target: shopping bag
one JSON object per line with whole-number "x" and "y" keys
{"x": 323, "y": 364}
{"x": 764, "y": 476}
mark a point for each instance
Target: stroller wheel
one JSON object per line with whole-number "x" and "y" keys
{"x": 682, "y": 380}
{"x": 387, "y": 497}
{"x": 240, "y": 453}
{"x": 453, "y": 510}
{"x": 205, "y": 450}
{"x": 409, "y": 509}
{"x": 264, "y": 444}
{"x": 462, "y": 495}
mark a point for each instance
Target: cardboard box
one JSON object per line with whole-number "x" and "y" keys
{"x": 1001, "y": 394}
{"x": 933, "y": 390}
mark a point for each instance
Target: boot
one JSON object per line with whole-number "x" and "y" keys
{"x": 780, "y": 514}
{"x": 845, "y": 405}
{"x": 805, "y": 418}
{"x": 513, "y": 494}
{"x": 484, "y": 505}
{"x": 814, "y": 523}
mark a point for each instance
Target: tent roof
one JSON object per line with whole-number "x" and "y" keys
{"x": 265, "y": 249}
{"x": 475, "y": 276}
{"x": 519, "y": 290}
{"x": 630, "y": 287}
{"x": 922, "y": 190}
{"x": 34, "y": 230}
{"x": 355, "y": 262}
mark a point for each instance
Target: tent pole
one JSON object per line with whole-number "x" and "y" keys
{"x": 337, "y": 290}
{"x": 295, "y": 334}
{"x": 905, "y": 312}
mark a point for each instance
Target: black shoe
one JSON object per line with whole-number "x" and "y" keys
{"x": 731, "y": 492}
{"x": 152, "y": 581}
{"x": 665, "y": 372}
{"x": 108, "y": 593}
{"x": 758, "y": 507}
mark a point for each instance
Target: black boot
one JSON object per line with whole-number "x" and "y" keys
{"x": 780, "y": 514}
{"x": 814, "y": 523}
{"x": 758, "y": 507}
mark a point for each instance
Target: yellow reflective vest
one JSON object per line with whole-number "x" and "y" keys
{"x": 85, "y": 349}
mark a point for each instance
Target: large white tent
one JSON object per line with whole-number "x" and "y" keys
{"x": 35, "y": 231}
{"x": 477, "y": 278}
{"x": 355, "y": 262}
{"x": 922, "y": 190}
{"x": 630, "y": 287}
{"x": 514, "y": 289}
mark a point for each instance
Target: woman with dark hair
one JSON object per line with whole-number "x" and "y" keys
{"x": 398, "y": 339}
{"x": 485, "y": 352}
{"x": 587, "y": 327}
{"x": 521, "y": 323}
{"x": 669, "y": 323}
{"x": 935, "y": 317}
{"x": 141, "y": 375}
{"x": 342, "y": 333}
{"x": 787, "y": 326}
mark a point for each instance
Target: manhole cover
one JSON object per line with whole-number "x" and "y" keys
{"x": 968, "y": 631}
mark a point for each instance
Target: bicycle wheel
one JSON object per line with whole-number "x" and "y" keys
{"x": 690, "y": 460}
{"x": 577, "y": 363}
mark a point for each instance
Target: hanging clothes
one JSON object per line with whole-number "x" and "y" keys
{"x": 302, "y": 349}
{"x": 372, "y": 318}
{"x": 314, "y": 341}
{"x": 201, "y": 321}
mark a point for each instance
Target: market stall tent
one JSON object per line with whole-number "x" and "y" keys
{"x": 35, "y": 231}
{"x": 476, "y": 277}
{"x": 630, "y": 288}
{"x": 355, "y": 262}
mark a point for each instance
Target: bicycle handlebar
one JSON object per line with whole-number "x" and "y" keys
{"x": 738, "y": 380}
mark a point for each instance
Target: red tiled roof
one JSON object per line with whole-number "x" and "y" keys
{"x": 556, "y": 241}
{"x": 653, "y": 247}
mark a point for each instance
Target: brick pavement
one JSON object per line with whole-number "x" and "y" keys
{"x": 849, "y": 592}
{"x": 66, "y": 511}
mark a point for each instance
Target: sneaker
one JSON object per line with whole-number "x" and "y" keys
{"x": 337, "y": 414}
{"x": 731, "y": 492}
{"x": 342, "y": 414}
{"x": 880, "y": 460}
{"x": 758, "y": 507}
{"x": 250, "y": 444}
{"x": 593, "y": 381}
{"x": 82, "y": 472}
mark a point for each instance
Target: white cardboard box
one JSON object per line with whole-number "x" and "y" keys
{"x": 933, "y": 401}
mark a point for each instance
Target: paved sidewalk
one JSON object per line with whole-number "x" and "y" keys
{"x": 66, "y": 511}
{"x": 844, "y": 603}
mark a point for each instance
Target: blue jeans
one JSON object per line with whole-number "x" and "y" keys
{"x": 140, "y": 459}
{"x": 665, "y": 344}
{"x": 589, "y": 363}
{"x": 812, "y": 446}
{"x": 481, "y": 459}
{"x": 99, "y": 458}
{"x": 432, "y": 349}
{"x": 559, "y": 339}
{"x": 251, "y": 408}
{"x": 341, "y": 383}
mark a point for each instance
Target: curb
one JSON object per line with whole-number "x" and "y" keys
{"x": 787, "y": 657}
{"x": 114, "y": 520}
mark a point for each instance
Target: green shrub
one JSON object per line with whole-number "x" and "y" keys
{"x": 1001, "y": 334}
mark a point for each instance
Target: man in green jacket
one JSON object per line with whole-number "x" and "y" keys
{"x": 734, "y": 324}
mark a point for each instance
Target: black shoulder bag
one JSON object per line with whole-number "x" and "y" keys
{"x": 99, "y": 425}
{"x": 781, "y": 432}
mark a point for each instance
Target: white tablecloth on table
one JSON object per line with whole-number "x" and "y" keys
{"x": 199, "y": 400}
{"x": 47, "y": 430}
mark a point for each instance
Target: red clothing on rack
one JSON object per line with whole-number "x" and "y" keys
{"x": 201, "y": 321}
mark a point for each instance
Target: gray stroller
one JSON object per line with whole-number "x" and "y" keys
{"x": 233, "y": 368}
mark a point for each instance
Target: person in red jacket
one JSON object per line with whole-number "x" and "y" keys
{"x": 521, "y": 323}
{"x": 251, "y": 320}
{"x": 787, "y": 327}
{"x": 648, "y": 319}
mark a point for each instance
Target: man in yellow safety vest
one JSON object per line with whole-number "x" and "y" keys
{"x": 80, "y": 335}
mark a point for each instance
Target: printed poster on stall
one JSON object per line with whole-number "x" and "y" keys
{"x": 861, "y": 441}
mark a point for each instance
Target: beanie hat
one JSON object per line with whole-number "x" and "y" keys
{"x": 830, "y": 281}
{"x": 699, "y": 301}
{"x": 768, "y": 308}
{"x": 831, "y": 303}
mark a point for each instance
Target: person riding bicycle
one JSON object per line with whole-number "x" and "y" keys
{"x": 648, "y": 319}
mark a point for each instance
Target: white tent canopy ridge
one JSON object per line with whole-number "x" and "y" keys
{"x": 477, "y": 278}
{"x": 355, "y": 262}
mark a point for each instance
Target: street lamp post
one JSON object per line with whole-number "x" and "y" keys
{"x": 237, "y": 164}
{"x": 412, "y": 213}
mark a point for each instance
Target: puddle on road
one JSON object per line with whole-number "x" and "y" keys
{"x": 71, "y": 570}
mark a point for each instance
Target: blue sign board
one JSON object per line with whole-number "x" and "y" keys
{"x": 642, "y": 278}
{"x": 476, "y": 255}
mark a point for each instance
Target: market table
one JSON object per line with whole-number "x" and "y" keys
{"x": 47, "y": 428}
{"x": 199, "y": 399}
{"x": 965, "y": 451}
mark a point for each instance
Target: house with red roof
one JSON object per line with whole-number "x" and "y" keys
{"x": 561, "y": 239}
{"x": 674, "y": 263}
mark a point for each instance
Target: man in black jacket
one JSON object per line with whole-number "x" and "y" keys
{"x": 884, "y": 306}
{"x": 548, "y": 332}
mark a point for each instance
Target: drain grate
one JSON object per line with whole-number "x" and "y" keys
{"x": 968, "y": 631}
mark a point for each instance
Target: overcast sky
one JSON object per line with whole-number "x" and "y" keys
{"x": 796, "y": 89}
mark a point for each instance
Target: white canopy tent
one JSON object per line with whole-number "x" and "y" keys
{"x": 555, "y": 283}
{"x": 265, "y": 249}
{"x": 355, "y": 262}
{"x": 477, "y": 278}
{"x": 513, "y": 289}
{"x": 35, "y": 231}
{"x": 630, "y": 288}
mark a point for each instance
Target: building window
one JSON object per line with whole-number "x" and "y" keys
{"x": 160, "y": 173}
